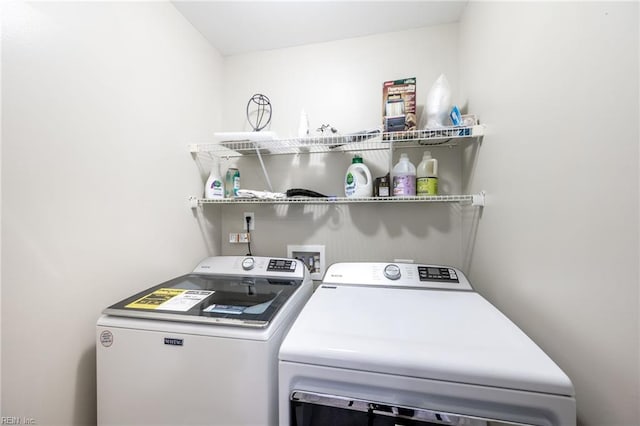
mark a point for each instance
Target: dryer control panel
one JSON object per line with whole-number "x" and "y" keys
{"x": 397, "y": 274}
{"x": 433, "y": 273}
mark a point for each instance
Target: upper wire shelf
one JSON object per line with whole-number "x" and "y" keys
{"x": 369, "y": 141}
{"x": 473, "y": 199}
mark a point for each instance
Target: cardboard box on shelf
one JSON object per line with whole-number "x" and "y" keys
{"x": 399, "y": 105}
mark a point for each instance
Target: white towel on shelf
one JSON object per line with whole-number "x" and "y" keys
{"x": 244, "y": 136}
{"x": 263, "y": 195}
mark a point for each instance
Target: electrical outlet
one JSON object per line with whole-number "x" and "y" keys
{"x": 239, "y": 237}
{"x": 252, "y": 224}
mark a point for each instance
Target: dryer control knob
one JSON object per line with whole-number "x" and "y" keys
{"x": 248, "y": 263}
{"x": 392, "y": 272}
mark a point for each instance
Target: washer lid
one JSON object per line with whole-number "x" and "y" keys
{"x": 432, "y": 334}
{"x": 245, "y": 301}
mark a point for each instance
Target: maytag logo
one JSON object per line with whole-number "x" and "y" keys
{"x": 173, "y": 342}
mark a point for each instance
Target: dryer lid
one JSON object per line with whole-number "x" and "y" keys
{"x": 431, "y": 334}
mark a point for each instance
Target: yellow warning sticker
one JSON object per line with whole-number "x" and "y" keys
{"x": 171, "y": 299}
{"x": 155, "y": 299}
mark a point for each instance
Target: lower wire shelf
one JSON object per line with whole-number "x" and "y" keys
{"x": 473, "y": 199}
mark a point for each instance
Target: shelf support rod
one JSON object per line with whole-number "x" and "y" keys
{"x": 264, "y": 169}
{"x": 391, "y": 166}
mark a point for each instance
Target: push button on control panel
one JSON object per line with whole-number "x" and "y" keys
{"x": 281, "y": 265}
{"x": 428, "y": 273}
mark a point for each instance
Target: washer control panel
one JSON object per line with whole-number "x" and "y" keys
{"x": 432, "y": 273}
{"x": 281, "y": 265}
{"x": 252, "y": 266}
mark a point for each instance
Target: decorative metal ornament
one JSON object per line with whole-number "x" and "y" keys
{"x": 259, "y": 111}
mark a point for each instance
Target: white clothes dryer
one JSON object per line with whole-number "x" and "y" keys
{"x": 409, "y": 344}
{"x": 201, "y": 348}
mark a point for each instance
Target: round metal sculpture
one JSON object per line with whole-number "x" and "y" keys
{"x": 259, "y": 111}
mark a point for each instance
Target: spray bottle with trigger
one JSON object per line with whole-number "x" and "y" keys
{"x": 214, "y": 188}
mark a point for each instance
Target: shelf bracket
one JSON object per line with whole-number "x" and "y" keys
{"x": 193, "y": 202}
{"x": 478, "y": 199}
{"x": 264, "y": 169}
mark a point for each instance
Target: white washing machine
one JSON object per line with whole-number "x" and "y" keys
{"x": 408, "y": 344}
{"x": 201, "y": 348}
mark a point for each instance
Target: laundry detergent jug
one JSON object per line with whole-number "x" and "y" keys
{"x": 404, "y": 177}
{"x": 427, "y": 175}
{"x": 357, "y": 181}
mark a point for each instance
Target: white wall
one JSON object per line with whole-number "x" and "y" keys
{"x": 338, "y": 82}
{"x": 341, "y": 83}
{"x": 557, "y": 246}
{"x": 1, "y": 23}
{"x": 100, "y": 101}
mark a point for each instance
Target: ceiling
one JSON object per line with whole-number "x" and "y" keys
{"x": 236, "y": 27}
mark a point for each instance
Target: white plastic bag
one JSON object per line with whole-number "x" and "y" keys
{"x": 438, "y": 103}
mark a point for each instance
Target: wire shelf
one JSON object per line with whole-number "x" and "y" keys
{"x": 473, "y": 199}
{"x": 370, "y": 141}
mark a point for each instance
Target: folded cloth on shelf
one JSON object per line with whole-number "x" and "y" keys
{"x": 263, "y": 195}
{"x": 244, "y": 136}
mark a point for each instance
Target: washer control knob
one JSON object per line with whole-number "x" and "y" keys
{"x": 248, "y": 263}
{"x": 392, "y": 272}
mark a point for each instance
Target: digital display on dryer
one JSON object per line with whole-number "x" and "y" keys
{"x": 430, "y": 273}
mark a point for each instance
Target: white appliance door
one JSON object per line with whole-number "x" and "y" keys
{"x": 310, "y": 394}
{"x": 163, "y": 378}
{"x": 316, "y": 409}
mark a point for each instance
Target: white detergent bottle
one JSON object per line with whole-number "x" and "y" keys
{"x": 358, "y": 182}
{"x": 427, "y": 176}
{"x": 214, "y": 188}
{"x": 404, "y": 177}
{"x": 303, "y": 126}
